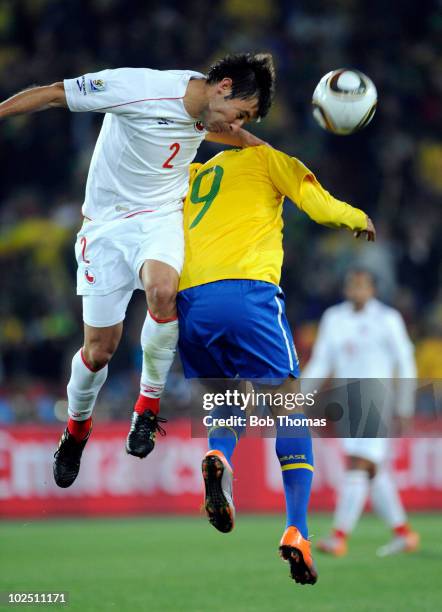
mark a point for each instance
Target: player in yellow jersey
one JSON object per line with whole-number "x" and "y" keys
{"x": 232, "y": 316}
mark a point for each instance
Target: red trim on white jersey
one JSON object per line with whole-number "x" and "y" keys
{"x": 139, "y": 212}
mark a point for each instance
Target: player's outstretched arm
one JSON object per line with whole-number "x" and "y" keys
{"x": 237, "y": 137}
{"x": 323, "y": 208}
{"x": 294, "y": 180}
{"x": 34, "y": 99}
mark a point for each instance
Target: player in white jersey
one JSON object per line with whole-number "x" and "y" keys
{"x": 132, "y": 236}
{"x": 364, "y": 338}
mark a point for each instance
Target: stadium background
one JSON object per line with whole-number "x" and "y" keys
{"x": 393, "y": 170}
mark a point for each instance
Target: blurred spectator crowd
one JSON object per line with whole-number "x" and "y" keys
{"x": 393, "y": 169}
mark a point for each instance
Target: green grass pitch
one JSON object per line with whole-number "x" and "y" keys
{"x": 181, "y": 564}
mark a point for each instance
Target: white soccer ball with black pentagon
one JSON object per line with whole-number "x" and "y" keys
{"x": 344, "y": 101}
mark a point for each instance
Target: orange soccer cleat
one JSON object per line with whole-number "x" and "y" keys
{"x": 296, "y": 550}
{"x": 333, "y": 545}
{"x": 399, "y": 544}
{"x": 218, "y": 501}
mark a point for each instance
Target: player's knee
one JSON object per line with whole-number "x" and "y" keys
{"x": 372, "y": 470}
{"x": 98, "y": 355}
{"x": 360, "y": 463}
{"x": 161, "y": 297}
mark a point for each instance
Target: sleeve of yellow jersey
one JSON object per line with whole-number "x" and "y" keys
{"x": 294, "y": 180}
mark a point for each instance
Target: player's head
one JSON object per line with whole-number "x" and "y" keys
{"x": 359, "y": 286}
{"x": 241, "y": 88}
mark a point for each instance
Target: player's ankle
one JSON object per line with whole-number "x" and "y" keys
{"x": 144, "y": 403}
{"x": 338, "y": 533}
{"x": 401, "y": 530}
{"x": 79, "y": 430}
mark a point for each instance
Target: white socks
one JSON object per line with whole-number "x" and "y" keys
{"x": 83, "y": 388}
{"x": 351, "y": 501}
{"x": 158, "y": 341}
{"x": 386, "y": 501}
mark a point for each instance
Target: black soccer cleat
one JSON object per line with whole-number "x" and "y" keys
{"x": 67, "y": 459}
{"x": 141, "y": 438}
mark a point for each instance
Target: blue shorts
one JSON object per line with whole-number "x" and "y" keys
{"x": 235, "y": 329}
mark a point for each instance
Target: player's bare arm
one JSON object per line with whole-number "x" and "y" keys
{"x": 34, "y": 99}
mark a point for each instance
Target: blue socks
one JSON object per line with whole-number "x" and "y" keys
{"x": 225, "y": 438}
{"x": 295, "y": 454}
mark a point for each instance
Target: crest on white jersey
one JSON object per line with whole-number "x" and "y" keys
{"x": 199, "y": 126}
{"x": 89, "y": 276}
{"x": 97, "y": 85}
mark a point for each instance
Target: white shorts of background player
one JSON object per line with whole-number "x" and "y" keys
{"x": 375, "y": 450}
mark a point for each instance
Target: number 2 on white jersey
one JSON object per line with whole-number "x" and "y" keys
{"x": 175, "y": 147}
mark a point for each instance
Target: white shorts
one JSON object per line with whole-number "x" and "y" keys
{"x": 106, "y": 310}
{"x": 372, "y": 449}
{"x": 110, "y": 256}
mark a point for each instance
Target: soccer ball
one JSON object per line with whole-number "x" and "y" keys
{"x": 344, "y": 101}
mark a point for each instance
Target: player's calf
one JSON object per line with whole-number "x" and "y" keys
{"x": 158, "y": 342}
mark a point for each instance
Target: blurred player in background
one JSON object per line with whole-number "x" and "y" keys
{"x": 132, "y": 234}
{"x": 232, "y": 315}
{"x": 364, "y": 338}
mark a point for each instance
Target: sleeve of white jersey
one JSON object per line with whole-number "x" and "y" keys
{"x": 110, "y": 91}
{"x": 320, "y": 365}
{"x": 403, "y": 353}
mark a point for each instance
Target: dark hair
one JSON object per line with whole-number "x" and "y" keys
{"x": 360, "y": 269}
{"x": 253, "y": 76}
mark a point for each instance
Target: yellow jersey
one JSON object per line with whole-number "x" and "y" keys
{"x": 233, "y": 214}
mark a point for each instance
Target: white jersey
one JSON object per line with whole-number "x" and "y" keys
{"x": 370, "y": 343}
{"x": 146, "y": 143}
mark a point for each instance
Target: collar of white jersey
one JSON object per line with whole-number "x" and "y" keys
{"x": 369, "y": 307}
